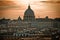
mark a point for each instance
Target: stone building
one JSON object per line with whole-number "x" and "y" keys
{"x": 29, "y": 25}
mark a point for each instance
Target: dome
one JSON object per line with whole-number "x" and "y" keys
{"x": 29, "y": 12}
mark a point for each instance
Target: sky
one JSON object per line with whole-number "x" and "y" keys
{"x": 13, "y": 8}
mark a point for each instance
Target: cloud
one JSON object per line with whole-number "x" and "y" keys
{"x": 9, "y": 4}
{"x": 10, "y": 9}
{"x": 6, "y": 3}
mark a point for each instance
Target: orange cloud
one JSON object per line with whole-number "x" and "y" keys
{"x": 41, "y": 9}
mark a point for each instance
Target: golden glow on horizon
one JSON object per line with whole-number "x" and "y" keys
{"x": 40, "y": 9}
{"x": 27, "y": 2}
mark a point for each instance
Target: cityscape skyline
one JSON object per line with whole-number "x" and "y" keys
{"x": 41, "y": 20}
{"x": 13, "y": 9}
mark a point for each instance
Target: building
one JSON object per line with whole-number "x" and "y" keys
{"x": 29, "y": 26}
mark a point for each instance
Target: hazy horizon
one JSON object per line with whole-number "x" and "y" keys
{"x": 14, "y": 9}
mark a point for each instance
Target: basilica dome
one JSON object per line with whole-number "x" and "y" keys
{"x": 29, "y": 14}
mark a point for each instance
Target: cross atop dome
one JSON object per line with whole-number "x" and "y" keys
{"x": 29, "y": 6}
